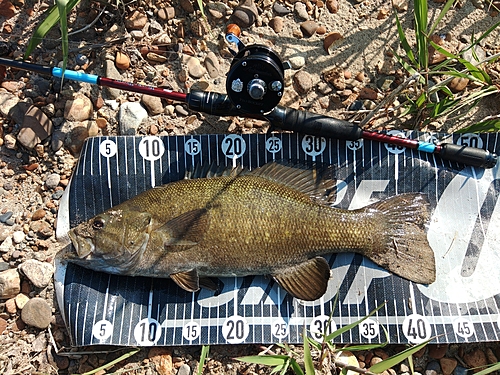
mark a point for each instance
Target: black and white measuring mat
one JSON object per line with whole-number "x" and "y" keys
{"x": 462, "y": 305}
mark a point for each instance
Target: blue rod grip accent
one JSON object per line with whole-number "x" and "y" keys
{"x": 75, "y": 76}
{"x": 426, "y": 147}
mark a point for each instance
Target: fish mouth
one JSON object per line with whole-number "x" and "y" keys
{"x": 83, "y": 246}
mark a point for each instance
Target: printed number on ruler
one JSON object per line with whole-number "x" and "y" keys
{"x": 192, "y": 146}
{"x": 463, "y": 327}
{"x": 151, "y": 148}
{"x": 393, "y": 149}
{"x": 416, "y": 328}
{"x": 279, "y": 328}
{"x": 147, "y": 332}
{"x": 234, "y": 146}
{"x": 369, "y": 328}
{"x": 108, "y": 148}
{"x": 320, "y": 326}
{"x": 313, "y": 145}
{"x": 273, "y": 145}
{"x": 191, "y": 331}
{"x": 235, "y": 329}
{"x": 470, "y": 140}
{"x": 355, "y": 145}
{"x": 102, "y": 330}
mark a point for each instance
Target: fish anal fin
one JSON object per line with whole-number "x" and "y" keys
{"x": 306, "y": 281}
{"x": 183, "y": 231}
{"x": 187, "y": 280}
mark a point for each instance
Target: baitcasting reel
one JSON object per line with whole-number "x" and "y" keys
{"x": 255, "y": 82}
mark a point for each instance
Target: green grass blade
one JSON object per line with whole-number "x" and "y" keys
{"x": 395, "y": 359}
{"x": 485, "y": 34}
{"x": 61, "y": 6}
{"x": 267, "y": 360}
{"x": 487, "y": 126}
{"x": 48, "y": 23}
{"x": 404, "y": 41}
{"x": 348, "y": 327}
{"x": 203, "y": 356}
{"x": 308, "y": 362}
{"x": 421, "y": 33}
{"x": 295, "y": 366}
{"x": 445, "y": 10}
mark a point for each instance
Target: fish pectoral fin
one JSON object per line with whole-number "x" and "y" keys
{"x": 307, "y": 281}
{"x": 184, "y": 231}
{"x": 187, "y": 280}
{"x": 208, "y": 283}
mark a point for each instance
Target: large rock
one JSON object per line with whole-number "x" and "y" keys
{"x": 37, "y": 313}
{"x": 39, "y": 273}
{"x": 78, "y": 109}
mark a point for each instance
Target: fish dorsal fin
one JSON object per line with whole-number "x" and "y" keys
{"x": 183, "y": 231}
{"x": 307, "y": 281}
{"x": 212, "y": 170}
{"x": 187, "y": 280}
{"x": 313, "y": 180}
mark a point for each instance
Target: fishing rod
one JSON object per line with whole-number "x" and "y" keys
{"x": 255, "y": 85}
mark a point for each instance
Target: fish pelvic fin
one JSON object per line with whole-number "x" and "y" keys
{"x": 187, "y": 280}
{"x": 306, "y": 281}
{"x": 402, "y": 246}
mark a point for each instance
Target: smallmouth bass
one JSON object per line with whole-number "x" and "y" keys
{"x": 275, "y": 220}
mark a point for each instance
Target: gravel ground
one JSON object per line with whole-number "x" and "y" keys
{"x": 340, "y": 56}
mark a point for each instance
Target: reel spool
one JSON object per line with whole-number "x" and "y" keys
{"x": 255, "y": 82}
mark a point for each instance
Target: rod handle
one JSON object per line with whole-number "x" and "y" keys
{"x": 313, "y": 124}
{"x": 475, "y": 157}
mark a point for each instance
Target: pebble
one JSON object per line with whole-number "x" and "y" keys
{"x": 277, "y": 24}
{"x": 6, "y": 216}
{"x": 437, "y": 351}
{"x": 78, "y": 109}
{"x": 7, "y": 102}
{"x": 3, "y": 325}
{"x": 475, "y": 358}
{"x": 136, "y": 20}
{"x": 180, "y": 110}
{"x": 458, "y": 84}
{"x": 58, "y": 194}
{"x": 37, "y": 313}
{"x": 10, "y": 141}
{"x": 111, "y": 72}
{"x": 122, "y": 61}
{"x": 18, "y": 236}
{"x": 36, "y": 127}
{"x": 332, "y": 6}
{"x": 297, "y": 62}
{"x": 7, "y": 245}
{"x": 331, "y": 41}
{"x": 12, "y": 86}
{"x": 357, "y": 105}
{"x": 52, "y": 180}
{"x": 10, "y": 283}
{"x": 194, "y": 67}
{"x": 300, "y": 10}
{"x": 448, "y": 365}
{"x": 41, "y": 227}
{"x": 10, "y": 306}
{"x": 303, "y": 82}
{"x": 280, "y": 9}
{"x": 459, "y": 370}
{"x": 308, "y": 28}
{"x": 162, "y": 359}
{"x": 153, "y": 104}
{"x": 57, "y": 140}
{"x": 187, "y": 5}
{"x": 130, "y": 117}
{"x": 212, "y": 65}
{"x": 384, "y": 83}
{"x": 367, "y": 93}
{"x": 21, "y": 300}
{"x": 184, "y": 370}
{"x": 39, "y": 273}
{"x": 81, "y": 59}
{"x": 245, "y": 14}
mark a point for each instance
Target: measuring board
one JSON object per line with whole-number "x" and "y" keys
{"x": 462, "y": 305}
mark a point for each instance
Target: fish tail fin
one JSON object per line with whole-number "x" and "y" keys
{"x": 403, "y": 248}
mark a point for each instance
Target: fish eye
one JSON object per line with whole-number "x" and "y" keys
{"x": 98, "y": 223}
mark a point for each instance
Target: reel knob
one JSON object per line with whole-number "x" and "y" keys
{"x": 255, "y": 82}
